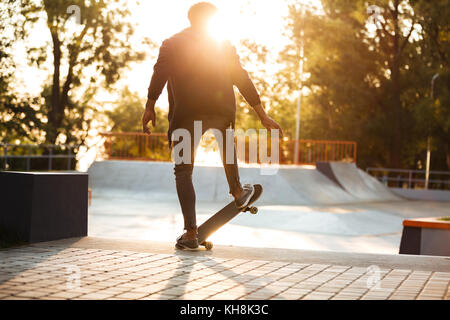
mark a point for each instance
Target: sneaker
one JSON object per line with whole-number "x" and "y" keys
{"x": 187, "y": 244}
{"x": 244, "y": 200}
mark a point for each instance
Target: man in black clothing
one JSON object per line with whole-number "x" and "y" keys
{"x": 201, "y": 73}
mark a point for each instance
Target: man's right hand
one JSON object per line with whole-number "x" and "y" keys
{"x": 149, "y": 115}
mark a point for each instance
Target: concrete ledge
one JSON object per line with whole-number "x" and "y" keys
{"x": 407, "y": 262}
{"x": 432, "y": 223}
{"x": 43, "y": 206}
{"x": 425, "y": 236}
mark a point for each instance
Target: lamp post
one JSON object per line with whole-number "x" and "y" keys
{"x": 427, "y": 170}
{"x": 299, "y": 101}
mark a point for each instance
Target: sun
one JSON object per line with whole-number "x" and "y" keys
{"x": 217, "y": 27}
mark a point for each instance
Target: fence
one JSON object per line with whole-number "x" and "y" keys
{"x": 140, "y": 146}
{"x": 37, "y": 157}
{"x": 411, "y": 179}
{"x": 136, "y": 146}
{"x": 311, "y": 151}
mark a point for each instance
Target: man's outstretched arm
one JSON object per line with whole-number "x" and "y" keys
{"x": 246, "y": 87}
{"x": 161, "y": 72}
{"x": 242, "y": 80}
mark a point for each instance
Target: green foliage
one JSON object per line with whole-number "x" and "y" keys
{"x": 371, "y": 85}
{"x": 255, "y": 55}
{"x": 127, "y": 114}
{"x": 18, "y": 117}
{"x": 85, "y": 56}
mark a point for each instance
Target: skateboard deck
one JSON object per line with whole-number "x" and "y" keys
{"x": 223, "y": 216}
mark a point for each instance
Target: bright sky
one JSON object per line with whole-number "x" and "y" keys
{"x": 261, "y": 21}
{"x": 257, "y": 19}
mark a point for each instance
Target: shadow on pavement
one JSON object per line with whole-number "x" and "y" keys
{"x": 16, "y": 261}
{"x": 185, "y": 270}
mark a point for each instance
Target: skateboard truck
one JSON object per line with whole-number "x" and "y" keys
{"x": 252, "y": 210}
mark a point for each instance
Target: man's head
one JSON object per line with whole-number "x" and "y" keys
{"x": 200, "y": 14}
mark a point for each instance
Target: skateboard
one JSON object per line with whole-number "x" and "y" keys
{"x": 224, "y": 215}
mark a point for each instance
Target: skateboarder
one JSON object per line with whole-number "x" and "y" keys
{"x": 201, "y": 72}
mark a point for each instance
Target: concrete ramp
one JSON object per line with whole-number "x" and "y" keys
{"x": 299, "y": 208}
{"x": 356, "y": 182}
{"x": 134, "y": 180}
{"x": 154, "y": 181}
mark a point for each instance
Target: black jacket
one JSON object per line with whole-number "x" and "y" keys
{"x": 201, "y": 73}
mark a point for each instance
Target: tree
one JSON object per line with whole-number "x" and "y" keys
{"x": 434, "y": 59}
{"x": 90, "y": 46}
{"x": 391, "y": 42}
{"x": 367, "y": 81}
{"x": 340, "y": 75}
{"x": 18, "y": 117}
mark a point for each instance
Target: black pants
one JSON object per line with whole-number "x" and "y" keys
{"x": 183, "y": 171}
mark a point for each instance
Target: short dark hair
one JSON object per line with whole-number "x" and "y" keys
{"x": 200, "y": 12}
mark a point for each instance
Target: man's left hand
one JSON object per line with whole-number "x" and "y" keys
{"x": 149, "y": 115}
{"x": 269, "y": 124}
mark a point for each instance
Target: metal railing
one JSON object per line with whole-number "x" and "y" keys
{"x": 29, "y": 152}
{"x": 136, "y": 146}
{"x": 311, "y": 151}
{"x": 411, "y": 179}
{"x": 155, "y": 147}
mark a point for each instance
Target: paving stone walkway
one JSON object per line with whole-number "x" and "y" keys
{"x": 78, "y": 273}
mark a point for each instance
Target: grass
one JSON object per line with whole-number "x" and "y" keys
{"x": 444, "y": 218}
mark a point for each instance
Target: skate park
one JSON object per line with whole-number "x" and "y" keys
{"x": 315, "y": 237}
{"x": 301, "y": 207}
{"x": 349, "y": 101}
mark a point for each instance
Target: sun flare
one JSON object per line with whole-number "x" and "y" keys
{"x": 208, "y": 158}
{"x": 217, "y": 28}
{"x": 208, "y": 151}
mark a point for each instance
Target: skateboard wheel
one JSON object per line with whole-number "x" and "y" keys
{"x": 208, "y": 245}
{"x": 253, "y": 210}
